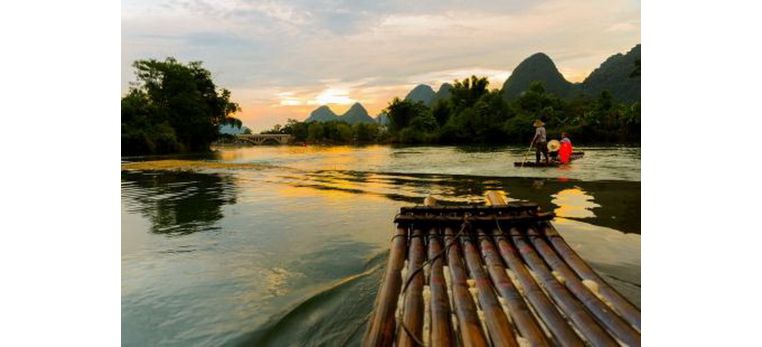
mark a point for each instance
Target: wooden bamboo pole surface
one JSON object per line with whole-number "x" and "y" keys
{"x": 441, "y": 328}
{"x": 522, "y": 316}
{"x": 624, "y": 307}
{"x": 469, "y": 325}
{"x": 563, "y": 333}
{"x": 573, "y": 309}
{"x": 499, "y": 328}
{"x": 412, "y": 314}
{"x": 620, "y": 329}
{"x": 383, "y": 324}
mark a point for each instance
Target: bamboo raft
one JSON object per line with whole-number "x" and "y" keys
{"x": 496, "y": 275}
{"x": 574, "y": 156}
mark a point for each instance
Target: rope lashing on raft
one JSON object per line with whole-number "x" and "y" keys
{"x": 466, "y": 224}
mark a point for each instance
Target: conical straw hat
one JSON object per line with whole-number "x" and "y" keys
{"x": 554, "y": 145}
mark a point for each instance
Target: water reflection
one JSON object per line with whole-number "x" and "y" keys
{"x": 178, "y": 203}
{"x": 612, "y": 204}
{"x": 574, "y": 203}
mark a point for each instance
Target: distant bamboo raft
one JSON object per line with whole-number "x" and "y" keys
{"x": 498, "y": 275}
{"x": 553, "y": 163}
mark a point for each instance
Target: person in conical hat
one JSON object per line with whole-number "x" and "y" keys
{"x": 540, "y": 141}
{"x": 553, "y": 147}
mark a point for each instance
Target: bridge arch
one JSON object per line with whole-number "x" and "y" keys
{"x": 266, "y": 139}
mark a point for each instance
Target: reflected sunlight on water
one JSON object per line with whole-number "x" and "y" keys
{"x": 574, "y": 203}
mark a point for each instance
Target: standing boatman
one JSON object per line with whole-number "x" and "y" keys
{"x": 540, "y": 141}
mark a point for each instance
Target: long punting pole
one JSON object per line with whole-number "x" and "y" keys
{"x": 519, "y": 311}
{"x": 616, "y": 324}
{"x": 468, "y": 321}
{"x": 441, "y": 328}
{"x": 382, "y": 323}
{"x": 617, "y": 301}
{"x": 412, "y": 314}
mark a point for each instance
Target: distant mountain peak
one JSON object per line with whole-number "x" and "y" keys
{"x": 422, "y": 92}
{"x": 357, "y": 106}
{"x": 538, "y": 67}
{"x": 355, "y": 114}
{"x": 540, "y": 57}
{"x": 615, "y": 74}
{"x": 321, "y": 114}
{"x": 444, "y": 92}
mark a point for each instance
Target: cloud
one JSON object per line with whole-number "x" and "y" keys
{"x": 281, "y": 58}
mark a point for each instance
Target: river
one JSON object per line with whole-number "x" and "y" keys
{"x": 286, "y": 245}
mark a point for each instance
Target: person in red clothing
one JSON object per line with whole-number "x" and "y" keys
{"x": 564, "y": 153}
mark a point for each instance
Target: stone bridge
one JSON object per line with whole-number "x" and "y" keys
{"x": 266, "y": 139}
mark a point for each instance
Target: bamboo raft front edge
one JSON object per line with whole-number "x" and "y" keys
{"x": 498, "y": 275}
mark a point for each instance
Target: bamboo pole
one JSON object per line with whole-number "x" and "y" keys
{"x": 624, "y": 307}
{"x": 465, "y": 309}
{"x": 476, "y": 219}
{"x": 519, "y": 311}
{"x": 554, "y": 321}
{"x": 499, "y": 327}
{"x": 441, "y": 328}
{"x": 382, "y": 324}
{"x": 600, "y": 310}
{"x": 548, "y": 312}
{"x": 568, "y": 304}
{"x": 412, "y": 315}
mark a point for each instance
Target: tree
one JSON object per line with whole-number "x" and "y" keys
{"x": 315, "y": 132}
{"x": 441, "y": 110}
{"x": 466, "y": 93}
{"x": 402, "y": 112}
{"x": 173, "y": 107}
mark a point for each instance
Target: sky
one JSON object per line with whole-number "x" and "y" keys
{"x": 282, "y": 59}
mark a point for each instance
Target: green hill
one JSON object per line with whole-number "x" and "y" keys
{"x": 538, "y": 67}
{"x": 421, "y": 92}
{"x": 614, "y": 75}
{"x": 356, "y": 114}
{"x": 321, "y": 114}
{"x": 443, "y": 92}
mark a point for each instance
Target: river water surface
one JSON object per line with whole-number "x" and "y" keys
{"x": 285, "y": 246}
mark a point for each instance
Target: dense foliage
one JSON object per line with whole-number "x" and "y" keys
{"x": 331, "y": 132}
{"x": 473, "y": 114}
{"x": 173, "y": 107}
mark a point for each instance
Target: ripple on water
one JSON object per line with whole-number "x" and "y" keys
{"x": 234, "y": 250}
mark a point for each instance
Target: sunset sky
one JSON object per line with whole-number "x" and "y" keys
{"x": 283, "y": 59}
